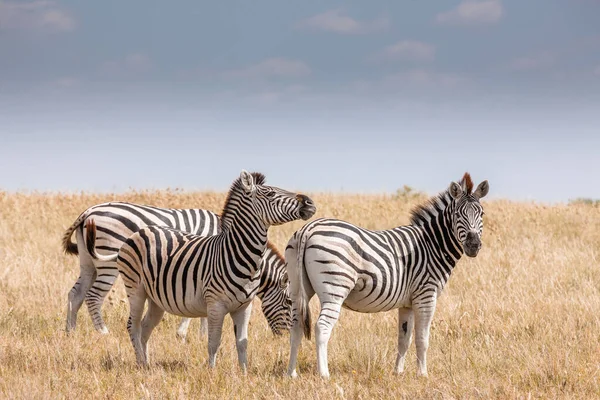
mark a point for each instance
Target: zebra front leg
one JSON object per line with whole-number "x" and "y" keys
{"x": 87, "y": 275}
{"x": 241, "y": 318}
{"x": 423, "y": 317}
{"x": 105, "y": 279}
{"x": 405, "y": 329}
{"x": 216, "y": 314}
{"x": 134, "y": 324}
{"x": 330, "y": 313}
{"x": 183, "y": 328}
{"x": 152, "y": 318}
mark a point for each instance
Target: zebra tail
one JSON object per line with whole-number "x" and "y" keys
{"x": 90, "y": 242}
{"x": 303, "y": 307}
{"x": 68, "y": 246}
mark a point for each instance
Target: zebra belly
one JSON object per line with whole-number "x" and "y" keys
{"x": 190, "y": 307}
{"x": 365, "y": 301}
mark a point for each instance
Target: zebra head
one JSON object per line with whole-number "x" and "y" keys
{"x": 274, "y": 205}
{"x": 276, "y": 303}
{"x": 467, "y": 213}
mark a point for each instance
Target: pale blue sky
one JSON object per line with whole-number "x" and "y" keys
{"x": 319, "y": 95}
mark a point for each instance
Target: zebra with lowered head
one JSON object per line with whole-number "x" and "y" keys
{"x": 373, "y": 271}
{"x": 116, "y": 221}
{"x": 197, "y": 276}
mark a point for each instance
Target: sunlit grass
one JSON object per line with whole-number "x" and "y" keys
{"x": 520, "y": 320}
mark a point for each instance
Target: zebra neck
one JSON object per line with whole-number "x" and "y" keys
{"x": 246, "y": 239}
{"x": 444, "y": 245}
{"x": 434, "y": 218}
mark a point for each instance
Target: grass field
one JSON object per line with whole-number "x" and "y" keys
{"x": 522, "y": 320}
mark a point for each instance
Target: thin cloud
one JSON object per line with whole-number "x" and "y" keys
{"x": 67, "y": 82}
{"x": 133, "y": 63}
{"x": 408, "y": 50}
{"x": 272, "y": 67}
{"x": 43, "y": 16}
{"x": 533, "y": 62}
{"x": 473, "y": 12}
{"x": 423, "y": 77}
{"x": 338, "y": 22}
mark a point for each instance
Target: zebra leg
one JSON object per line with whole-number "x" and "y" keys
{"x": 423, "y": 317}
{"x": 183, "y": 328}
{"x": 134, "y": 324}
{"x": 87, "y": 275}
{"x": 216, "y": 314}
{"x": 241, "y": 318}
{"x": 152, "y": 318}
{"x": 203, "y": 327}
{"x": 296, "y": 331}
{"x": 405, "y": 330}
{"x": 330, "y": 313}
{"x": 95, "y": 296}
{"x": 295, "y": 340}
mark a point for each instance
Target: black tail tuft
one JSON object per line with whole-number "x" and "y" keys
{"x": 90, "y": 240}
{"x": 70, "y": 248}
{"x": 307, "y": 322}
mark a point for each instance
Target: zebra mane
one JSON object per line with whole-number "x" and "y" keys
{"x": 433, "y": 206}
{"x": 275, "y": 251}
{"x": 467, "y": 183}
{"x": 430, "y": 208}
{"x": 237, "y": 187}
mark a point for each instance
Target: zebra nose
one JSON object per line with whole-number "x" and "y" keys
{"x": 305, "y": 200}
{"x": 471, "y": 236}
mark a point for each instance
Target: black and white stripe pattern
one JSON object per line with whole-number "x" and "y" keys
{"x": 116, "y": 221}
{"x": 373, "y": 271}
{"x": 196, "y": 276}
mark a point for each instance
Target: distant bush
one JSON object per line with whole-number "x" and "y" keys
{"x": 585, "y": 201}
{"x": 408, "y": 193}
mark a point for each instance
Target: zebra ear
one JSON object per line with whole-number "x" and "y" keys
{"x": 247, "y": 181}
{"x": 482, "y": 189}
{"x": 284, "y": 280}
{"x": 455, "y": 190}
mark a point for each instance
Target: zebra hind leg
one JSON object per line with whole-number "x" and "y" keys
{"x": 152, "y": 318}
{"x": 79, "y": 290}
{"x": 203, "y": 327}
{"x": 296, "y": 333}
{"x": 405, "y": 330}
{"x": 95, "y": 296}
{"x": 216, "y": 316}
{"x": 241, "y": 318}
{"x": 182, "y": 330}
{"x": 328, "y": 317}
{"x": 134, "y": 324}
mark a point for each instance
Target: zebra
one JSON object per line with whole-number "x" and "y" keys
{"x": 198, "y": 276}
{"x": 116, "y": 221}
{"x": 373, "y": 271}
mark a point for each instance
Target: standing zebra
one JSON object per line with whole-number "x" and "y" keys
{"x": 373, "y": 271}
{"x": 116, "y": 221}
{"x": 196, "y": 276}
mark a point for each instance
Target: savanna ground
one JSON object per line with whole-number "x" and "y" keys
{"x": 520, "y": 321}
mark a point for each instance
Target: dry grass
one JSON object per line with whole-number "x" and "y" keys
{"x": 522, "y": 320}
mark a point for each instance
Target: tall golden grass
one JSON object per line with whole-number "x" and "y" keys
{"x": 521, "y": 320}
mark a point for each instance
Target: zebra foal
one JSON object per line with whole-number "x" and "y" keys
{"x": 373, "y": 271}
{"x": 116, "y": 221}
{"x": 196, "y": 276}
